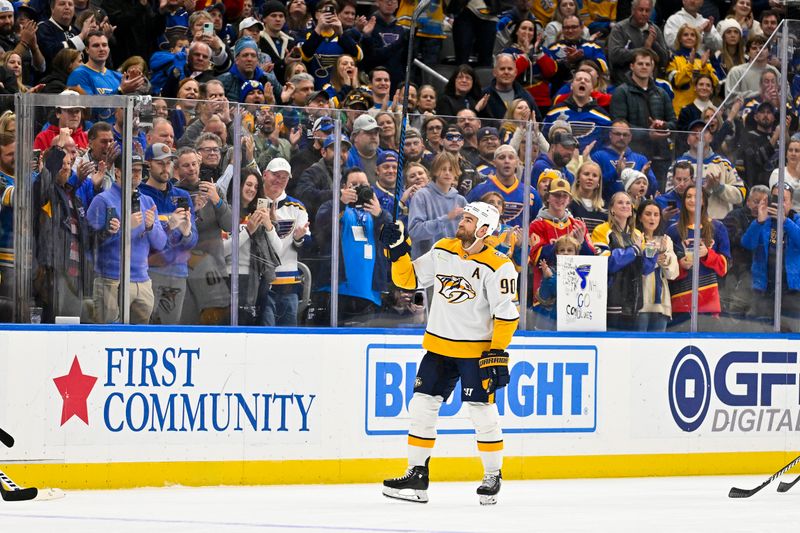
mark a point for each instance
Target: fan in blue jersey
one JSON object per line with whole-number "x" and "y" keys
{"x": 571, "y": 50}
{"x": 588, "y": 120}
{"x": 325, "y": 43}
{"x": 94, "y": 78}
{"x": 562, "y": 148}
{"x": 505, "y": 182}
{"x": 615, "y": 156}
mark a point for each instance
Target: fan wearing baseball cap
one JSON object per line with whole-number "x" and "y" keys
{"x": 278, "y": 302}
{"x": 69, "y": 117}
{"x": 169, "y": 268}
{"x": 552, "y": 222}
{"x": 562, "y": 148}
{"x": 147, "y": 236}
{"x": 386, "y": 177}
{"x": 364, "y": 153}
{"x": 315, "y": 184}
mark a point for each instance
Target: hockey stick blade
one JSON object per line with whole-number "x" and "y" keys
{"x": 746, "y": 493}
{"x": 783, "y": 486}
{"x": 20, "y": 495}
{"x": 6, "y": 439}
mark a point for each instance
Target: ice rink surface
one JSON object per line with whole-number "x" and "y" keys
{"x": 687, "y": 504}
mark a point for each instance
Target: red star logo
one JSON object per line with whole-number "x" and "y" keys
{"x": 75, "y": 388}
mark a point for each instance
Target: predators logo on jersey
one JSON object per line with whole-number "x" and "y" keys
{"x": 455, "y": 289}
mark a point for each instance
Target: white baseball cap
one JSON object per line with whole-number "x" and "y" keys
{"x": 6, "y": 7}
{"x": 65, "y": 92}
{"x": 249, "y": 22}
{"x": 279, "y": 164}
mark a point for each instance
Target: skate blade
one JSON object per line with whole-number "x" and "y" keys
{"x": 414, "y": 496}
{"x": 50, "y": 494}
{"x": 486, "y": 499}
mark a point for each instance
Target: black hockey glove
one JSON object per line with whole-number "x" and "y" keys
{"x": 493, "y": 367}
{"x": 394, "y": 239}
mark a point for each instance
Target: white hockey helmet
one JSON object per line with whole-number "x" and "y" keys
{"x": 487, "y": 215}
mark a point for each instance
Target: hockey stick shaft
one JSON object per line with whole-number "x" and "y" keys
{"x": 398, "y": 184}
{"x": 6, "y": 439}
{"x": 746, "y": 493}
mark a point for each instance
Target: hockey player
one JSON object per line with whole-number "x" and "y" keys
{"x": 473, "y": 316}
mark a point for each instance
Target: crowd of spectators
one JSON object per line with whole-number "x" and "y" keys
{"x": 617, "y": 95}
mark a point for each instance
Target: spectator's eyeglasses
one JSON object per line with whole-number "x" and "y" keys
{"x": 210, "y": 150}
{"x": 434, "y": 128}
{"x": 621, "y": 133}
{"x": 570, "y": 27}
{"x": 454, "y": 137}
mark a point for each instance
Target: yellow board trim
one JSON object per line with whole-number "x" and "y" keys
{"x": 128, "y": 475}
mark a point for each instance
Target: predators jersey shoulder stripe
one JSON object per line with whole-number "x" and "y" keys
{"x": 488, "y": 257}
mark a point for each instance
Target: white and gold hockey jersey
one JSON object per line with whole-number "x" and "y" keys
{"x": 475, "y": 305}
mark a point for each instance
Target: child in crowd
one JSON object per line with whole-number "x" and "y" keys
{"x": 564, "y": 245}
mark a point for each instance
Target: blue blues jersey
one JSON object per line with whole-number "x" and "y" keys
{"x": 513, "y": 196}
{"x": 589, "y": 123}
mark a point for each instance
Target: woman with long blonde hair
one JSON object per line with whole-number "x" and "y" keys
{"x": 587, "y": 196}
{"x": 622, "y": 243}
{"x": 686, "y": 66}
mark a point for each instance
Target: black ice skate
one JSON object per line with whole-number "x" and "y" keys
{"x": 411, "y": 487}
{"x": 489, "y": 488}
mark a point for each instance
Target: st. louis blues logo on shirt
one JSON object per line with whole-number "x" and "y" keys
{"x": 455, "y": 289}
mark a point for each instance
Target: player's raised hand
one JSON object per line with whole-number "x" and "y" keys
{"x": 393, "y": 238}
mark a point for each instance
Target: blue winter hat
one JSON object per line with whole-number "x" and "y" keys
{"x": 242, "y": 44}
{"x": 248, "y": 87}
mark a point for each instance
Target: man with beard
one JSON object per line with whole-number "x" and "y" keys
{"x": 316, "y": 183}
{"x": 169, "y": 267}
{"x": 307, "y": 156}
{"x": 22, "y": 42}
{"x": 759, "y": 145}
{"x": 615, "y": 156}
{"x": 504, "y": 181}
{"x": 269, "y": 144}
{"x": 453, "y": 142}
{"x": 488, "y": 141}
{"x": 562, "y": 146}
{"x": 364, "y": 153}
{"x": 475, "y": 303}
{"x": 468, "y": 121}
{"x": 207, "y": 298}
{"x": 414, "y": 148}
{"x": 588, "y": 120}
